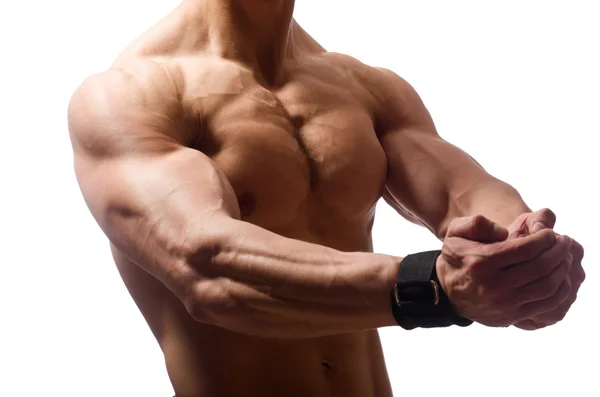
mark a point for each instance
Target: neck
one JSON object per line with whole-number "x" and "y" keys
{"x": 254, "y": 32}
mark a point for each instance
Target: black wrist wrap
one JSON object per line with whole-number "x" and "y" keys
{"x": 418, "y": 300}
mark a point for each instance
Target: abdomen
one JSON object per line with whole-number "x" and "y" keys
{"x": 204, "y": 360}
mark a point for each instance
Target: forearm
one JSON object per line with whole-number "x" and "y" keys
{"x": 492, "y": 198}
{"x": 256, "y": 282}
{"x": 432, "y": 182}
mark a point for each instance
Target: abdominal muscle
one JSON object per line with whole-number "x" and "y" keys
{"x": 206, "y": 361}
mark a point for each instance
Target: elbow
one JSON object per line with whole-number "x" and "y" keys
{"x": 197, "y": 309}
{"x": 207, "y": 293}
{"x": 208, "y": 301}
{"x": 208, "y": 242}
{"x": 215, "y": 301}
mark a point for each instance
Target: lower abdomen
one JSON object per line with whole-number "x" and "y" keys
{"x": 209, "y": 361}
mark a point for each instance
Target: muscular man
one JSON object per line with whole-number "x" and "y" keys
{"x": 235, "y": 165}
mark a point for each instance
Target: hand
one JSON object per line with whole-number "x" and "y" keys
{"x": 498, "y": 281}
{"x": 532, "y": 222}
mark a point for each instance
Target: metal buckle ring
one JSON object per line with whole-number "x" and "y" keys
{"x": 434, "y": 286}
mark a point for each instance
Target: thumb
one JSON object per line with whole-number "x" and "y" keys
{"x": 542, "y": 219}
{"x": 477, "y": 228}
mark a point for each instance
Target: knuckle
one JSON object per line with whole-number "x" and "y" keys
{"x": 578, "y": 250}
{"x": 571, "y": 299}
{"x": 451, "y": 248}
{"x": 452, "y": 252}
{"x": 473, "y": 263}
{"x": 565, "y": 242}
{"x": 447, "y": 248}
{"x": 555, "y": 316}
{"x": 560, "y": 314}
{"x": 476, "y": 267}
{"x": 477, "y": 219}
{"x": 549, "y": 237}
{"x": 580, "y": 276}
{"x": 488, "y": 251}
{"x": 564, "y": 292}
{"x": 476, "y": 223}
{"x": 548, "y": 215}
{"x": 548, "y": 288}
{"x": 581, "y": 250}
{"x": 566, "y": 306}
{"x": 569, "y": 262}
{"x": 540, "y": 241}
{"x": 527, "y": 325}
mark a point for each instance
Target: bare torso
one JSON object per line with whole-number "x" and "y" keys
{"x": 235, "y": 166}
{"x": 305, "y": 162}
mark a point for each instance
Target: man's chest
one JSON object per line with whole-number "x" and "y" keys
{"x": 309, "y": 144}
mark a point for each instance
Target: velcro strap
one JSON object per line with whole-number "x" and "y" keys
{"x": 414, "y": 296}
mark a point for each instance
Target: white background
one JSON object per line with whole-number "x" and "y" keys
{"x": 515, "y": 83}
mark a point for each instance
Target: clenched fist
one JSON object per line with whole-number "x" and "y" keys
{"x": 532, "y": 222}
{"x": 498, "y": 281}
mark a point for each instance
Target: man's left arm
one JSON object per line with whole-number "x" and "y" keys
{"x": 430, "y": 181}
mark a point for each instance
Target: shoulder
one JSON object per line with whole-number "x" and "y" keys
{"x": 371, "y": 75}
{"x": 137, "y": 84}
{"x": 397, "y": 103}
{"x": 120, "y": 102}
{"x": 382, "y": 83}
{"x": 394, "y": 100}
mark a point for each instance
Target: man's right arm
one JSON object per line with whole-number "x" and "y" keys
{"x": 167, "y": 208}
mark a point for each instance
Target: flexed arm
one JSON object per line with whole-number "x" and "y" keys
{"x": 172, "y": 212}
{"x": 434, "y": 183}
{"x": 431, "y": 181}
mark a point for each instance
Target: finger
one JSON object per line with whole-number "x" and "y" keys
{"x": 577, "y": 274}
{"x": 546, "y": 286}
{"x": 519, "y": 227}
{"x": 554, "y": 316}
{"x": 535, "y": 308}
{"x": 538, "y": 268}
{"x": 578, "y": 251}
{"x": 511, "y": 252}
{"x": 558, "y": 314}
{"x": 542, "y": 219}
{"x": 477, "y": 228}
{"x": 529, "y": 325}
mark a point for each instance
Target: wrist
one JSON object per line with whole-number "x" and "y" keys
{"x": 419, "y": 298}
{"x": 376, "y": 276}
{"x": 440, "y": 270}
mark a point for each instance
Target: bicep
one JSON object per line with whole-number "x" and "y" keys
{"x": 153, "y": 208}
{"x": 426, "y": 174}
{"x": 151, "y": 195}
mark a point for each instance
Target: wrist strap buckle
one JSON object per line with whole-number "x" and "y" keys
{"x": 435, "y": 289}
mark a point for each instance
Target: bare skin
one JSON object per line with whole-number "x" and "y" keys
{"x": 235, "y": 165}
